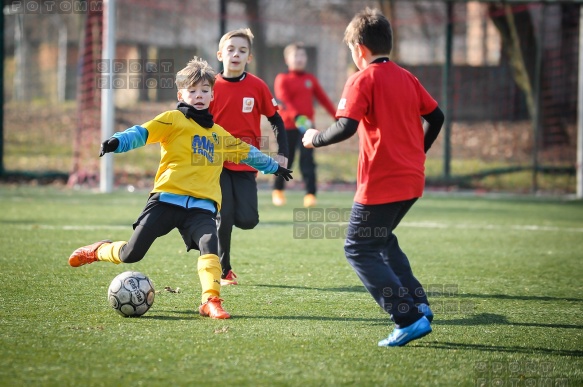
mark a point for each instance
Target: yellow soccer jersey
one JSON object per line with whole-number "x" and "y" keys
{"x": 191, "y": 157}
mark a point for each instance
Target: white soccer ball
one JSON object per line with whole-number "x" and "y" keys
{"x": 131, "y": 294}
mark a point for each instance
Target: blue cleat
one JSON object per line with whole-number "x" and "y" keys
{"x": 401, "y": 336}
{"x": 426, "y": 310}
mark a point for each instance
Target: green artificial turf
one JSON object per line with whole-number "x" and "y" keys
{"x": 504, "y": 277}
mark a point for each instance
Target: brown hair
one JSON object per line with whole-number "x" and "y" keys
{"x": 371, "y": 29}
{"x": 196, "y": 70}
{"x": 240, "y": 33}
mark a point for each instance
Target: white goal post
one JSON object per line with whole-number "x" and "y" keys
{"x": 107, "y": 97}
{"x": 579, "y": 166}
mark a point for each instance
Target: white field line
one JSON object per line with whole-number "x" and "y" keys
{"x": 73, "y": 227}
{"x": 422, "y": 224}
{"x": 516, "y": 227}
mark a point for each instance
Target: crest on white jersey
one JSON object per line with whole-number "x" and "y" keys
{"x": 342, "y": 104}
{"x": 248, "y": 103}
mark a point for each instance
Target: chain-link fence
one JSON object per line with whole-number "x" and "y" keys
{"x": 505, "y": 74}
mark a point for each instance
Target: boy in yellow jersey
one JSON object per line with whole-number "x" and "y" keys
{"x": 187, "y": 193}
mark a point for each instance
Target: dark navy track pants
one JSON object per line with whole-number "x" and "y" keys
{"x": 373, "y": 251}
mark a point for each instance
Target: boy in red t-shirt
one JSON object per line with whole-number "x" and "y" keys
{"x": 295, "y": 91}
{"x": 384, "y": 103}
{"x": 240, "y": 100}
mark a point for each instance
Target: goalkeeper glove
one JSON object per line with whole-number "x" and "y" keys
{"x": 108, "y": 146}
{"x": 303, "y": 123}
{"x": 284, "y": 172}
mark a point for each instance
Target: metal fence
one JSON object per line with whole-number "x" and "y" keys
{"x": 506, "y": 75}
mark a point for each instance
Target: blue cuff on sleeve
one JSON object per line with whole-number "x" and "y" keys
{"x": 131, "y": 138}
{"x": 260, "y": 161}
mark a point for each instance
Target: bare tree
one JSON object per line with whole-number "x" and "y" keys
{"x": 521, "y": 45}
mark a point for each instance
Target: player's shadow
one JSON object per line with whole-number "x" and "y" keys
{"x": 516, "y": 297}
{"x": 189, "y": 315}
{"x": 355, "y": 289}
{"x": 374, "y": 320}
{"x": 496, "y": 319}
{"x": 184, "y": 315}
{"x": 438, "y": 296}
{"x": 499, "y": 348}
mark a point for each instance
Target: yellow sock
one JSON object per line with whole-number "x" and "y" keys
{"x": 110, "y": 252}
{"x": 209, "y": 272}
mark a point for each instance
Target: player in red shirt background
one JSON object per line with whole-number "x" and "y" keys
{"x": 295, "y": 92}
{"x": 240, "y": 100}
{"x": 384, "y": 103}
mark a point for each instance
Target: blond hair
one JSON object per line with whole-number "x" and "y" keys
{"x": 293, "y": 47}
{"x": 240, "y": 33}
{"x": 196, "y": 70}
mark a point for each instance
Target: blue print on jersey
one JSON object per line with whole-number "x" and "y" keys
{"x": 203, "y": 146}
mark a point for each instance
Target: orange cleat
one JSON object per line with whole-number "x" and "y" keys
{"x": 86, "y": 254}
{"x": 309, "y": 200}
{"x": 213, "y": 309}
{"x": 278, "y": 197}
{"x": 229, "y": 279}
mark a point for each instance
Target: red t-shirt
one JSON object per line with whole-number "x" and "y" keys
{"x": 389, "y": 102}
{"x": 295, "y": 91}
{"x": 238, "y": 106}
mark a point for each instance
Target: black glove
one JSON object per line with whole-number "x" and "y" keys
{"x": 108, "y": 146}
{"x": 284, "y": 172}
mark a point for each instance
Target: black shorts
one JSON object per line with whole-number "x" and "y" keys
{"x": 192, "y": 223}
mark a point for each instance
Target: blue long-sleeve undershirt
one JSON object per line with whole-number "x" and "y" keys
{"x": 260, "y": 161}
{"x": 131, "y": 138}
{"x": 136, "y": 137}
